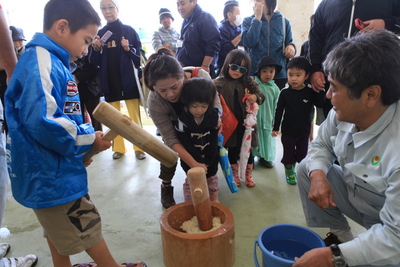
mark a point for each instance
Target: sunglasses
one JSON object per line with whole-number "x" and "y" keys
{"x": 235, "y": 67}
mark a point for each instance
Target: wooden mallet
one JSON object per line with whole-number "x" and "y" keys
{"x": 125, "y": 127}
{"x": 200, "y": 197}
{"x": 109, "y": 135}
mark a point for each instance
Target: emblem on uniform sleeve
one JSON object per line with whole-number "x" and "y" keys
{"x": 72, "y": 88}
{"x": 72, "y": 108}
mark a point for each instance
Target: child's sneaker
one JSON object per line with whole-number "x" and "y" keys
{"x": 291, "y": 175}
{"x": 27, "y": 261}
{"x": 4, "y": 249}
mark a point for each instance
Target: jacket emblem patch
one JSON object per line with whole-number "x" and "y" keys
{"x": 72, "y": 88}
{"x": 72, "y": 108}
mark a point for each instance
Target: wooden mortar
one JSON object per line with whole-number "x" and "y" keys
{"x": 214, "y": 248}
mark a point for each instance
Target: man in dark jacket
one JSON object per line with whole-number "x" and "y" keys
{"x": 328, "y": 30}
{"x": 230, "y": 31}
{"x": 199, "y": 42}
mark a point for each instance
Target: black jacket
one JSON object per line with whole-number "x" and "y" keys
{"x": 86, "y": 75}
{"x": 201, "y": 141}
{"x": 331, "y": 23}
{"x": 295, "y": 107}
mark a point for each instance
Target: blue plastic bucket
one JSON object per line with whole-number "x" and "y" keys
{"x": 280, "y": 243}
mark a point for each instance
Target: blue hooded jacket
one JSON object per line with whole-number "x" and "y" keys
{"x": 46, "y": 133}
{"x": 265, "y": 38}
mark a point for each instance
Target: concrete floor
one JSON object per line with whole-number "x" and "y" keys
{"x": 127, "y": 194}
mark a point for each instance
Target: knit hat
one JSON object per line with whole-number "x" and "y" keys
{"x": 17, "y": 33}
{"x": 268, "y": 61}
{"x": 164, "y": 12}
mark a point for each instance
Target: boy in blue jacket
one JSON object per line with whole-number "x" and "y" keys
{"x": 47, "y": 136}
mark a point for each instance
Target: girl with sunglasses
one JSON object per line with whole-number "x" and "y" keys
{"x": 234, "y": 83}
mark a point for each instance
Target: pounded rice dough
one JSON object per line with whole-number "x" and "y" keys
{"x": 192, "y": 226}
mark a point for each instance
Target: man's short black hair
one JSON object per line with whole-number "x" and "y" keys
{"x": 229, "y": 7}
{"x": 78, "y": 13}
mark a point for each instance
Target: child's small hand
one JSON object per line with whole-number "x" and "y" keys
{"x": 252, "y": 99}
{"x": 100, "y": 144}
{"x": 275, "y": 133}
{"x": 87, "y": 163}
{"x": 201, "y": 165}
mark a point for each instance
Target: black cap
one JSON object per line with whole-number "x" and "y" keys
{"x": 164, "y": 12}
{"x": 17, "y": 33}
{"x": 268, "y": 61}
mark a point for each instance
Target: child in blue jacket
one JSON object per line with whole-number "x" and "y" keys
{"x": 47, "y": 136}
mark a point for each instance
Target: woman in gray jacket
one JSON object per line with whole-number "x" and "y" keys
{"x": 164, "y": 76}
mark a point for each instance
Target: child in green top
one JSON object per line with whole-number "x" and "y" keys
{"x": 266, "y": 70}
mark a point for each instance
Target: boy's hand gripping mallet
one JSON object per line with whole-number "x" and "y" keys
{"x": 108, "y": 135}
{"x": 125, "y": 127}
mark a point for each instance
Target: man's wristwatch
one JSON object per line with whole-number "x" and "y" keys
{"x": 337, "y": 259}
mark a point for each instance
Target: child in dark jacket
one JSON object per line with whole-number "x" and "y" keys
{"x": 197, "y": 131}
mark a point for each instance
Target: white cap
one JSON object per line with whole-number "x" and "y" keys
{"x": 114, "y": 1}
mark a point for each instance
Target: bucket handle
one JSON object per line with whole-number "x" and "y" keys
{"x": 255, "y": 253}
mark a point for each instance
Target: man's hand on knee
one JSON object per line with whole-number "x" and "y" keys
{"x": 320, "y": 190}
